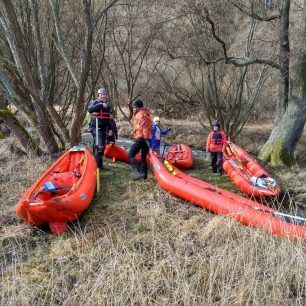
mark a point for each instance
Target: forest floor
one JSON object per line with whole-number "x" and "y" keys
{"x": 138, "y": 245}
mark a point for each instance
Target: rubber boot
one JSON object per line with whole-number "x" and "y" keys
{"x": 140, "y": 176}
{"x": 101, "y": 166}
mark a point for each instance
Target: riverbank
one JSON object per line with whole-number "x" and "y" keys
{"x": 136, "y": 244}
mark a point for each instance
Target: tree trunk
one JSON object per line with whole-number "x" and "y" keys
{"x": 284, "y": 57}
{"x": 20, "y": 132}
{"x": 280, "y": 147}
{"x": 25, "y": 70}
{"x": 79, "y": 113}
{"x": 59, "y": 122}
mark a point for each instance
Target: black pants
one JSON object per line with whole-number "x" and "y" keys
{"x": 101, "y": 145}
{"x": 139, "y": 145}
{"x": 216, "y": 162}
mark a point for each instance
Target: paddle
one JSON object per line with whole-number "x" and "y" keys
{"x": 238, "y": 163}
{"x": 78, "y": 174}
{"x": 97, "y": 156}
{"x": 296, "y": 220}
{"x": 162, "y": 156}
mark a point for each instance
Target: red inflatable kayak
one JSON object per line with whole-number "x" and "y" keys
{"x": 117, "y": 153}
{"x": 180, "y": 155}
{"x": 246, "y": 173}
{"x": 62, "y": 193}
{"x": 224, "y": 202}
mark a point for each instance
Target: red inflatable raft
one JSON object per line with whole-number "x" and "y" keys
{"x": 117, "y": 153}
{"x": 62, "y": 193}
{"x": 180, "y": 155}
{"x": 246, "y": 173}
{"x": 224, "y": 202}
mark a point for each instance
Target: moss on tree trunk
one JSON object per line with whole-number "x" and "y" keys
{"x": 276, "y": 153}
{"x": 280, "y": 147}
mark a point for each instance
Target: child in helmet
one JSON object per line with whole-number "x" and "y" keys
{"x": 216, "y": 143}
{"x": 157, "y": 132}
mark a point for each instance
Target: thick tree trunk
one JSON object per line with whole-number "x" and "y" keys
{"x": 280, "y": 147}
{"x": 20, "y": 132}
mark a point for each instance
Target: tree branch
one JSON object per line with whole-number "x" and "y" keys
{"x": 250, "y": 12}
{"x": 238, "y": 61}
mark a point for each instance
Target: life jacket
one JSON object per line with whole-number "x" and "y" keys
{"x": 217, "y": 138}
{"x": 216, "y": 141}
{"x": 102, "y": 112}
{"x": 102, "y": 115}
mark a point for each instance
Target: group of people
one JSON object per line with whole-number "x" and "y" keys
{"x": 147, "y": 134}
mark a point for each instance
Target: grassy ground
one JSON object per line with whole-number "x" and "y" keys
{"x": 137, "y": 245}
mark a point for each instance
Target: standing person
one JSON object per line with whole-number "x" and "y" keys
{"x": 216, "y": 143}
{"x": 101, "y": 113}
{"x": 142, "y": 129}
{"x": 157, "y": 132}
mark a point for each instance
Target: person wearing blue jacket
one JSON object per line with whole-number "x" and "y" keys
{"x": 157, "y": 132}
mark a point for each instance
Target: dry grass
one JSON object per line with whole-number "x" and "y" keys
{"x": 137, "y": 245}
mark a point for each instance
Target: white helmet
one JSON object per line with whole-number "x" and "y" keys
{"x": 156, "y": 119}
{"x": 103, "y": 91}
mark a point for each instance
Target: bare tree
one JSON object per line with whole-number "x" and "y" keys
{"x": 290, "y": 116}
{"x": 290, "y": 112}
{"x": 280, "y": 147}
{"x": 219, "y": 91}
{"x": 79, "y": 69}
{"x": 131, "y": 62}
{"x": 17, "y": 44}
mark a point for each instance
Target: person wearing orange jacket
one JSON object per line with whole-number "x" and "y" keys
{"x": 142, "y": 129}
{"x": 216, "y": 143}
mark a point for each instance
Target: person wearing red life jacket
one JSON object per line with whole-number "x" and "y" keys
{"x": 101, "y": 113}
{"x": 216, "y": 143}
{"x": 142, "y": 129}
